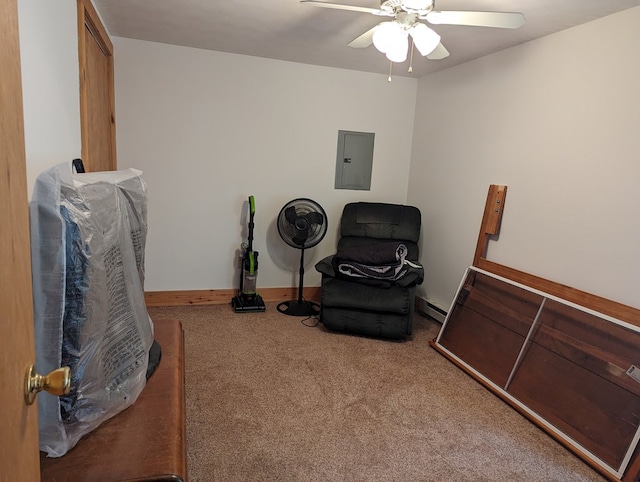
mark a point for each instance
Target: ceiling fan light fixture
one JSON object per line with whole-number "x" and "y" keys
{"x": 391, "y": 39}
{"x": 424, "y": 38}
{"x": 385, "y": 35}
{"x": 398, "y": 53}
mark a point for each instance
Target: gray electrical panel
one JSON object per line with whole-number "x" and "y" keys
{"x": 354, "y": 160}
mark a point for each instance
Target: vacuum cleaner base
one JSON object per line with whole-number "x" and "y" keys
{"x": 244, "y": 304}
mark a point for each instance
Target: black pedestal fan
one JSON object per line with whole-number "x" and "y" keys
{"x": 302, "y": 223}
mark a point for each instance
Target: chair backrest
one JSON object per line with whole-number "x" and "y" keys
{"x": 366, "y": 223}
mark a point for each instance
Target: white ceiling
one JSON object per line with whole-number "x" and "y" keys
{"x": 289, "y": 30}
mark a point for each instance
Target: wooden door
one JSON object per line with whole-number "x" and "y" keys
{"x": 19, "y": 454}
{"x": 97, "y": 97}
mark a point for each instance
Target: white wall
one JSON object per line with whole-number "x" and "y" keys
{"x": 208, "y": 129}
{"x": 50, "y": 83}
{"x": 554, "y": 119}
{"x": 557, "y": 121}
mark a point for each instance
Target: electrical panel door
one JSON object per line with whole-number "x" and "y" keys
{"x": 354, "y": 160}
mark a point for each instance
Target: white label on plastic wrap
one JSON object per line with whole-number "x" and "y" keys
{"x": 634, "y": 372}
{"x": 123, "y": 351}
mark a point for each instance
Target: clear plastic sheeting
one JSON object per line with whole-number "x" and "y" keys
{"x": 88, "y": 233}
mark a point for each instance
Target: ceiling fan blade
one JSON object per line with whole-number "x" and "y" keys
{"x": 363, "y": 40}
{"x": 476, "y": 19}
{"x": 340, "y": 6}
{"x": 438, "y": 53}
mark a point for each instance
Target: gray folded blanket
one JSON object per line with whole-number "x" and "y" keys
{"x": 383, "y": 261}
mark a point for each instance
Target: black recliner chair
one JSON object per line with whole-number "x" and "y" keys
{"x": 368, "y": 286}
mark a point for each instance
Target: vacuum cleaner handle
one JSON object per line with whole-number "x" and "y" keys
{"x": 252, "y": 211}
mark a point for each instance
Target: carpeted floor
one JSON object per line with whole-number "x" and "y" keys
{"x": 271, "y": 399}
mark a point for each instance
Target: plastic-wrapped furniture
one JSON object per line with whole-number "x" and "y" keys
{"x": 368, "y": 286}
{"x": 88, "y": 234}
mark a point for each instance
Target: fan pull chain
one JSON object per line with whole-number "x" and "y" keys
{"x": 390, "y": 66}
{"x": 411, "y": 57}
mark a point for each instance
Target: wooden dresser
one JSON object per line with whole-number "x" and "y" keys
{"x": 145, "y": 442}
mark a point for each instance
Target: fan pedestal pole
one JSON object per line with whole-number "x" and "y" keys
{"x": 300, "y": 307}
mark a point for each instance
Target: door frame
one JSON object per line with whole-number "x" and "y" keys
{"x": 89, "y": 21}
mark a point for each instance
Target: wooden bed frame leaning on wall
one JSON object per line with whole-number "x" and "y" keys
{"x": 496, "y": 315}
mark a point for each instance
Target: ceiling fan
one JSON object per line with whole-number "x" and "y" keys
{"x": 392, "y": 37}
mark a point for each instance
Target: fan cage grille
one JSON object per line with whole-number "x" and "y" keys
{"x": 288, "y": 231}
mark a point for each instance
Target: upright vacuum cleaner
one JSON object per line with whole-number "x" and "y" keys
{"x": 248, "y": 300}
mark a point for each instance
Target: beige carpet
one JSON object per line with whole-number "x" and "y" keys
{"x": 271, "y": 399}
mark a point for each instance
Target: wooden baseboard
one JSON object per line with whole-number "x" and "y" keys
{"x": 223, "y": 297}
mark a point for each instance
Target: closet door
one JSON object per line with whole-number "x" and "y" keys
{"x": 97, "y": 97}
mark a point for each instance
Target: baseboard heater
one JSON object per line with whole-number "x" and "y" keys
{"x": 430, "y": 309}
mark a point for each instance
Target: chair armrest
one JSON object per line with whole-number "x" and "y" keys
{"x": 325, "y": 266}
